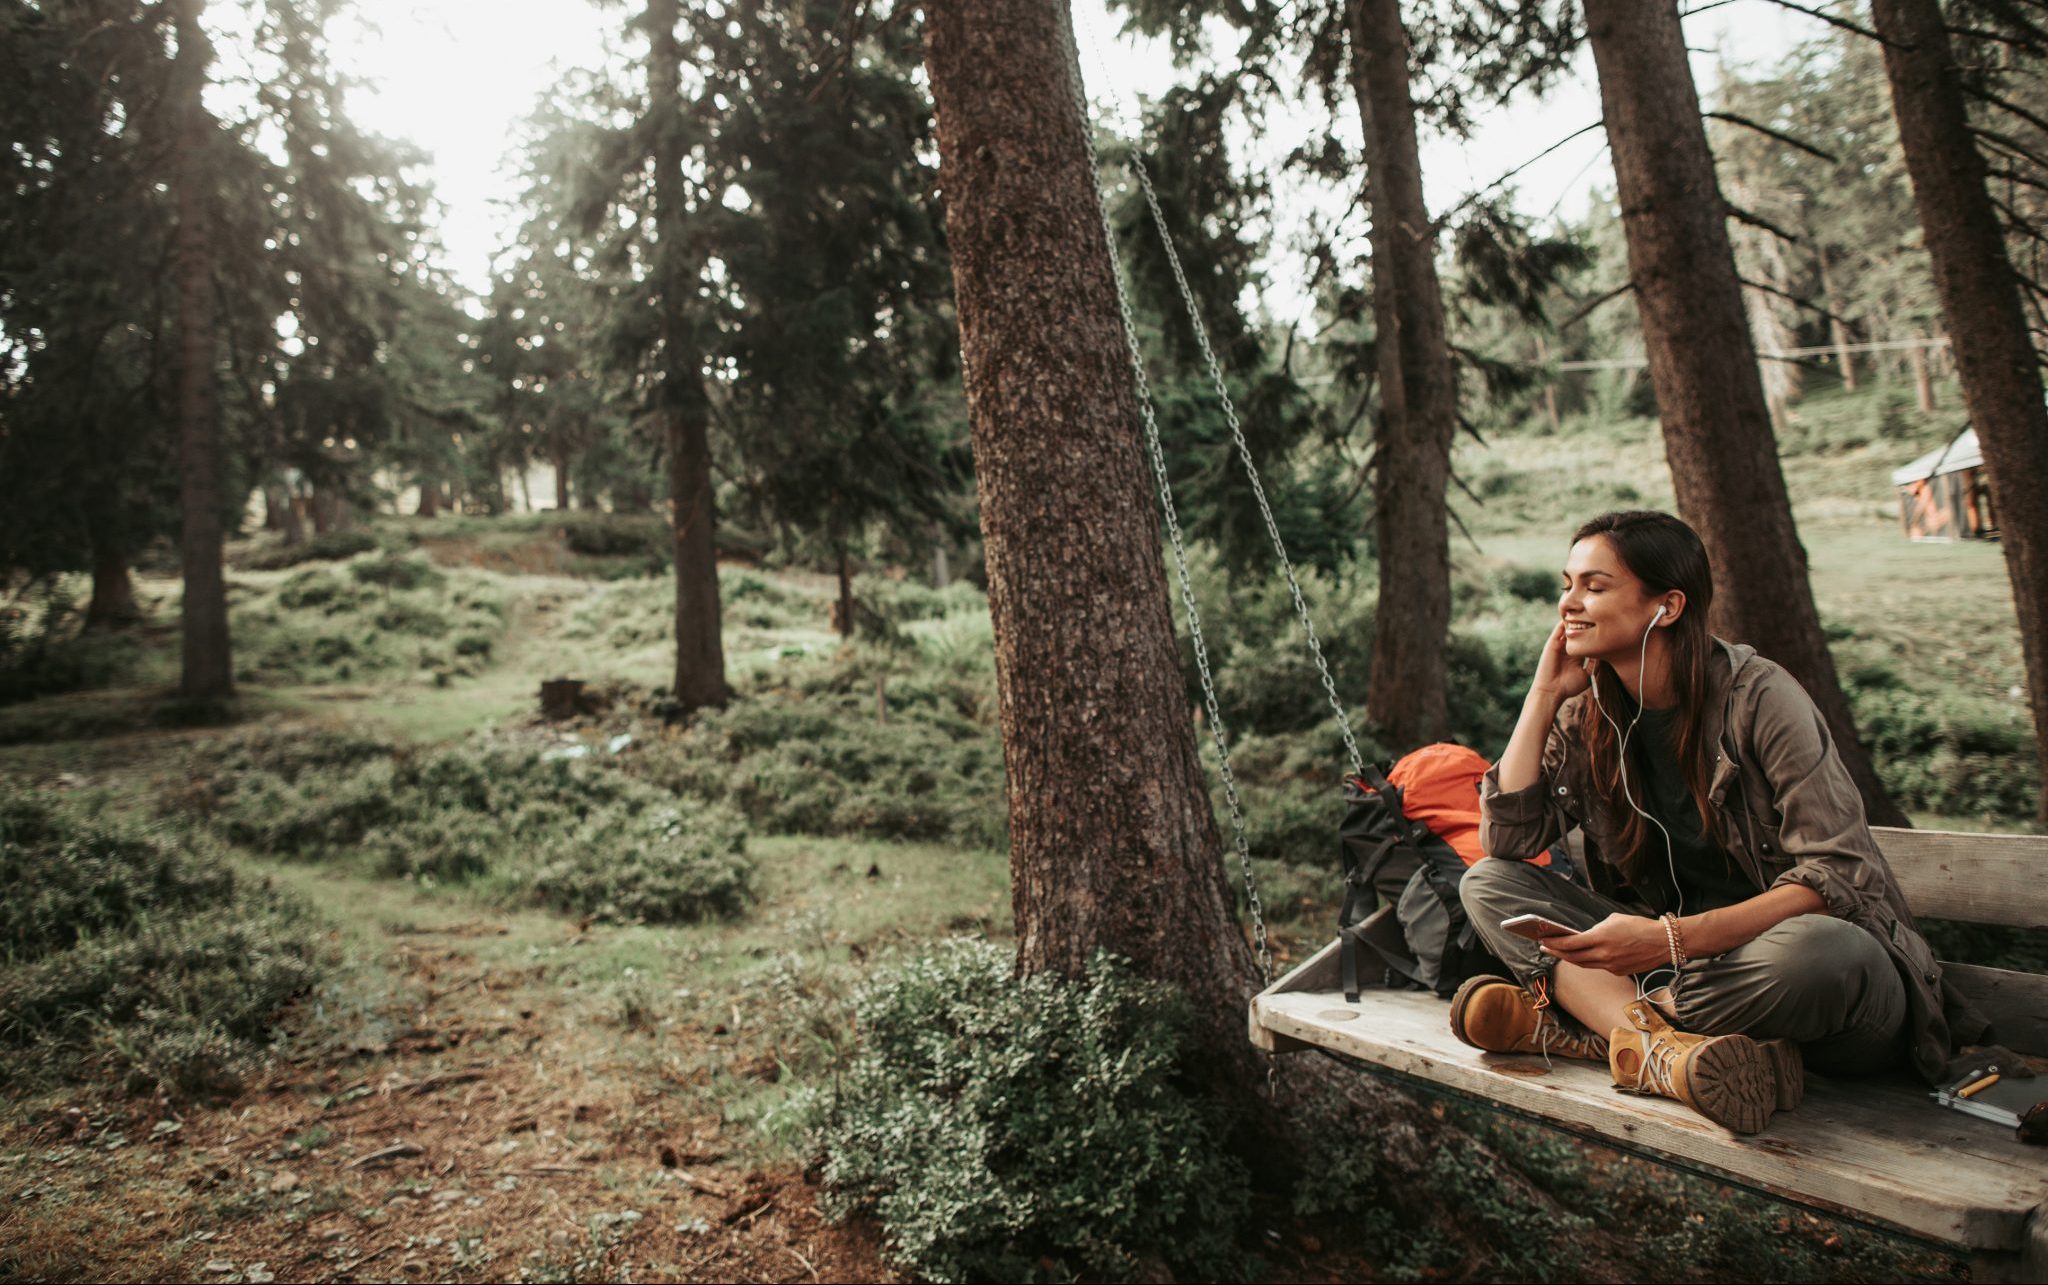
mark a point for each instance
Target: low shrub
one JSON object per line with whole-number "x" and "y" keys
{"x": 136, "y": 951}
{"x": 332, "y": 547}
{"x": 1030, "y": 1129}
{"x": 397, "y": 571}
{"x": 1949, "y": 750}
{"x": 383, "y": 616}
{"x": 811, "y": 756}
{"x": 901, "y": 601}
{"x": 578, "y": 836}
{"x": 611, "y": 535}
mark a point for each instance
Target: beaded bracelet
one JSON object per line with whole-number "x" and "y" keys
{"x": 1676, "y": 941}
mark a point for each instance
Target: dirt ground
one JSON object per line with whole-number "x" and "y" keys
{"x": 453, "y": 1151}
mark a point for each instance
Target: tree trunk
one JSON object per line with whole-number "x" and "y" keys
{"x": 845, "y": 612}
{"x": 1549, "y": 386}
{"x": 1406, "y": 698}
{"x": 1923, "y": 383}
{"x": 700, "y": 651}
{"x": 430, "y": 498}
{"x": 1717, "y": 430}
{"x": 942, "y": 571}
{"x": 1838, "y": 330}
{"x": 113, "y": 590}
{"x": 207, "y": 668}
{"x": 561, "y": 481}
{"x": 1987, "y": 323}
{"x": 1112, "y": 843}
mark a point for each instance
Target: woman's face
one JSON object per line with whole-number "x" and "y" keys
{"x": 1605, "y": 608}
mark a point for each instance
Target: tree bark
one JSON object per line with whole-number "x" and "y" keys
{"x": 700, "y": 651}
{"x": 1923, "y": 382}
{"x": 1838, "y": 331}
{"x": 1987, "y": 323}
{"x": 207, "y": 671}
{"x": 845, "y": 619}
{"x": 430, "y": 498}
{"x": 113, "y": 590}
{"x": 561, "y": 481}
{"x": 1112, "y": 843}
{"x": 1717, "y": 429}
{"x": 1406, "y": 697}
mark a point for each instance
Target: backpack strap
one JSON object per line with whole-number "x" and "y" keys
{"x": 1381, "y": 934}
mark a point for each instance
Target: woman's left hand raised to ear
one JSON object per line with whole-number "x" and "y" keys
{"x": 1624, "y": 944}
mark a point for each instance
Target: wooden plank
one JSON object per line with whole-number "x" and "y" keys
{"x": 1878, "y": 1152}
{"x": 1977, "y": 878}
{"x": 2016, "y": 1003}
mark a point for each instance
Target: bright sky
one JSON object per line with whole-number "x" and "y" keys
{"x": 454, "y": 77}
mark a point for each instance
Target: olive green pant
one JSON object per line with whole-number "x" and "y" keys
{"x": 1819, "y": 980}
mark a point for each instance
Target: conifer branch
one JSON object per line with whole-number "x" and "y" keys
{"x": 2010, "y": 146}
{"x": 1444, "y": 219}
{"x": 1755, "y": 220}
{"x": 1787, "y": 139}
{"x": 1982, "y": 94}
{"x": 1834, "y": 20}
{"x": 1595, "y": 303}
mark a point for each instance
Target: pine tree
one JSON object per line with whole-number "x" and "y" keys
{"x": 1710, "y": 399}
{"x": 1980, "y": 294}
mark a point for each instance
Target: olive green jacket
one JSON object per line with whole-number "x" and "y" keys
{"x": 1784, "y": 807}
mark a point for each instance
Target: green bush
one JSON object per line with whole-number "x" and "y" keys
{"x": 1030, "y": 1129}
{"x": 578, "y": 836}
{"x": 658, "y": 866}
{"x": 332, "y": 547}
{"x": 1949, "y": 751}
{"x": 132, "y": 950}
{"x": 395, "y": 571}
{"x": 388, "y": 615}
{"x": 811, "y": 757}
{"x": 611, "y": 535}
{"x": 901, "y": 601}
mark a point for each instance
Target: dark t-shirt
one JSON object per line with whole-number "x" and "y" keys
{"x": 1707, "y": 876}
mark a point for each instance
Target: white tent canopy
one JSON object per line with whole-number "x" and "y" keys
{"x": 1962, "y": 453}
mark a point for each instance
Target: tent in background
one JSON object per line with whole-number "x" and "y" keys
{"x": 1944, "y": 494}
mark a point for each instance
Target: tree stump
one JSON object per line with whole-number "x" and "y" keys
{"x": 561, "y": 698}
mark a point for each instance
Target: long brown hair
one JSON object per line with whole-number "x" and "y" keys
{"x": 1665, "y": 554}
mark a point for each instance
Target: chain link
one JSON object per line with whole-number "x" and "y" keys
{"x": 1153, "y": 448}
{"x": 1244, "y": 453}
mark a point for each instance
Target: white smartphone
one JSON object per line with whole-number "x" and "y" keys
{"x": 1536, "y": 927}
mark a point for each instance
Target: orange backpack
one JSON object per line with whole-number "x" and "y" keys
{"x": 1407, "y": 838}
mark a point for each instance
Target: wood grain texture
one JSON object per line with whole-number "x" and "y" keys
{"x": 1976, "y": 878}
{"x": 2016, "y": 1003}
{"x": 1877, "y": 1151}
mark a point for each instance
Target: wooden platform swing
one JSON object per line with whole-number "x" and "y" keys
{"x": 1876, "y": 1151}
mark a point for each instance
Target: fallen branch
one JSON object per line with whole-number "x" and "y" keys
{"x": 398, "y": 1151}
{"x": 433, "y": 1082}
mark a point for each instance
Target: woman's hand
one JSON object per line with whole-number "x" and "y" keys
{"x": 1623, "y": 944}
{"x": 1559, "y": 676}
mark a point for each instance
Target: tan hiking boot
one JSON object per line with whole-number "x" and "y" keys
{"x": 1789, "y": 1066}
{"x": 1495, "y": 1014}
{"x": 1730, "y": 1079}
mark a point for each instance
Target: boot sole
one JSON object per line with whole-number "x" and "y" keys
{"x": 1458, "y": 1000}
{"x": 1789, "y": 1069}
{"x": 1734, "y": 1082}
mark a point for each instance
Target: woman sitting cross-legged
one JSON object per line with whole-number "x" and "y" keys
{"x": 1739, "y": 913}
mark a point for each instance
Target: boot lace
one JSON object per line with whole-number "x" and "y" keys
{"x": 1658, "y": 1073}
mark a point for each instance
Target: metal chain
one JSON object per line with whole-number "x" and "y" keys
{"x": 1193, "y": 613}
{"x": 1244, "y": 453}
